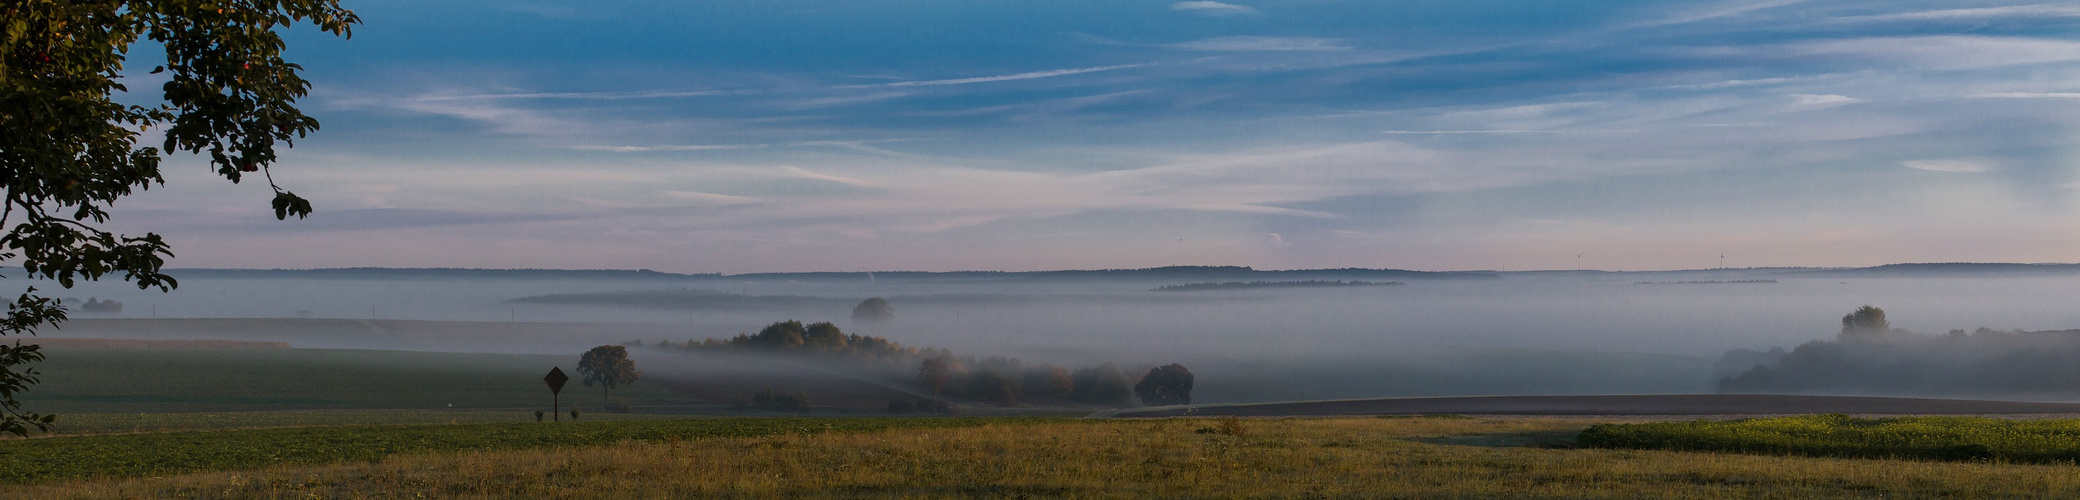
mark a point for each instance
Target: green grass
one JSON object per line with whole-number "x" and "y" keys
{"x": 1842, "y": 436}
{"x": 96, "y": 380}
{"x": 169, "y": 453}
{"x": 108, "y": 423}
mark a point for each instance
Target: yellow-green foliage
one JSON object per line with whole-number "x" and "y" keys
{"x": 1176, "y": 458}
{"x": 1928, "y": 438}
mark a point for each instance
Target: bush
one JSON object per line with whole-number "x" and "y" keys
{"x": 1165, "y": 385}
{"x": 618, "y": 405}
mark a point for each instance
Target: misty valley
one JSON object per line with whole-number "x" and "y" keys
{"x": 707, "y": 343}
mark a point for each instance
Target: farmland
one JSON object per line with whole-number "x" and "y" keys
{"x": 1924, "y": 438}
{"x": 161, "y": 453}
{"x": 118, "y": 380}
{"x": 1410, "y": 457}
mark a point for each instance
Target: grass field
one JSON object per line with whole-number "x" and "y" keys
{"x": 164, "y": 453}
{"x": 114, "y": 423}
{"x": 1422, "y": 457}
{"x": 97, "y": 380}
{"x": 1925, "y": 438}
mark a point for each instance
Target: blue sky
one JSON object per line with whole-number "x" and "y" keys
{"x": 773, "y": 135}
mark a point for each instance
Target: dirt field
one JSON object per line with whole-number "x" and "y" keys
{"x": 1656, "y": 404}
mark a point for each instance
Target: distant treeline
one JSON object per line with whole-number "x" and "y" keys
{"x": 686, "y": 299}
{"x": 1870, "y": 357}
{"x": 823, "y": 338}
{"x": 1237, "y": 285}
{"x": 1165, "y": 273}
{"x": 430, "y": 273}
{"x": 996, "y": 379}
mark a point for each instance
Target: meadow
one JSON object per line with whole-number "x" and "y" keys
{"x": 1836, "y": 435}
{"x": 1421, "y": 457}
{"x": 118, "y": 380}
{"x": 167, "y": 453}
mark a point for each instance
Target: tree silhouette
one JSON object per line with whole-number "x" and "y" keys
{"x": 1866, "y": 323}
{"x": 933, "y": 373}
{"x": 608, "y": 366}
{"x": 1165, "y": 385}
{"x": 873, "y": 310}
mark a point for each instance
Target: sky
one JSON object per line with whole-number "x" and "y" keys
{"x": 827, "y": 135}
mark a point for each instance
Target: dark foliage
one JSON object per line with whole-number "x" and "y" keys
{"x": 1165, "y": 385}
{"x": 609, "y": 367}
{"x": 1980, "y": 364}
{"x": 873, "y": 310}
{"x": 69, "y": 148}
{"x": 793, "y": 337}
{"x": 1099, "y": 385}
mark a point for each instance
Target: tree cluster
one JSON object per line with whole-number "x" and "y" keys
{"x": 1870, "y": 357}
{"x": 1009, "y": 381}
{"x": 792, "y": 337}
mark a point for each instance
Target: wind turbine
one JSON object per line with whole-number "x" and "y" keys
{"x": 1578, "y": 261}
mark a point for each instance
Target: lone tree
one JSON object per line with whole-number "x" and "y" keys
{"x": 1866, "y": 323}
{"x": 608, "y": 366}
{"x": 934, "y": 373}
{"x": 68, "y": 149}
{"x": 1165, "y": 385}
{"x": 874, "y": 310}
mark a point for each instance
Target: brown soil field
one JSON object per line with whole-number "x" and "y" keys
{"x": 1650, "y": 404}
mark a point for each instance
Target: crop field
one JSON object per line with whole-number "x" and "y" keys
{"x": 119, "y": 380}
{"x": 1923, "y": 438}
{"x": 168, "y": 453}
{"x": 1346, "y": 457}
{"x": 114, "y": 423}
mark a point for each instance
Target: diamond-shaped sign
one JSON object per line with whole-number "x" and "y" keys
{"x": 556, "y": 379}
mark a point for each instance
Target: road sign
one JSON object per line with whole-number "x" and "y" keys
{"x": 556, "y": 379}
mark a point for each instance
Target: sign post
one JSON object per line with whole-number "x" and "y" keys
{"x": 555, "y": 380}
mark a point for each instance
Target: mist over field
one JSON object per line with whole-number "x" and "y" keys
{"x": 1433, "y": 334}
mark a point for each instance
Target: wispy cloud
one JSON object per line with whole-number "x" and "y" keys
{"x": 1816, "y": 101}
{"x": 2031, "y": 95}
{"x": 1261, "y": 44}
{"x": 713, "y": 198}
{"x": 1214, "y": 8}
{"x": 2026, "y": 11}
{"x": 1716, "y": 10}
{"x": 1459, "y": 132}
{"x": 1953, "y": 166}
{"x": 668, "y": 147}
{"x": 803, "y": 173}
{"x": 590, "y": 96}
{"x": 1948, "y": 51}
{"x": 1033, "y": 75}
